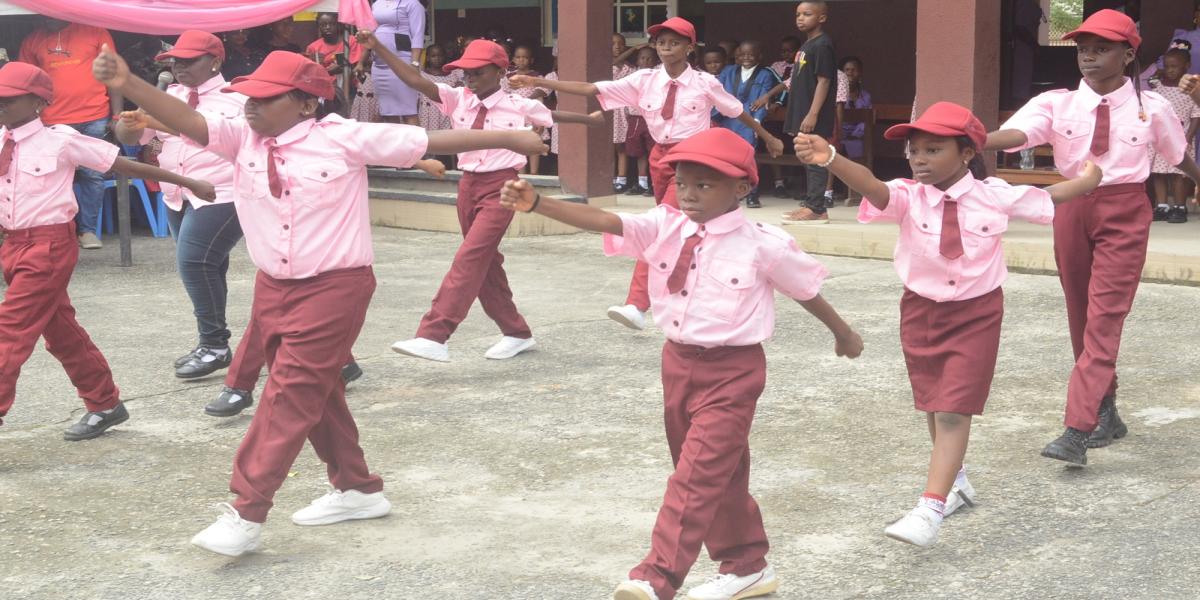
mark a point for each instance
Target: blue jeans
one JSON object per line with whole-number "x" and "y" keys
{"x": 203, "y": 241}
{"x": 91, "y": 183}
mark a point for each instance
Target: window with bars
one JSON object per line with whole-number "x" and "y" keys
{"x": 632, "y": 17}
{"x": 1060, "y": 17}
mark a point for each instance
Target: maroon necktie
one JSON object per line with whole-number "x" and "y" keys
{"x": 479, "y": 117}
{"x": 6, "y": 153}
{"x": 1100, "y": 135}
{"x": 668, "y": 109}
{"x": 193, "y": 98}
{"x": 951, "y": 244}
{"x": 679, "y": 275}
{"x": 272, "y": 174}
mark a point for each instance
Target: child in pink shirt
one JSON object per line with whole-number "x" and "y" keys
{"x": 302, "y": 200}
{"x": 950, "y": 259}
{"x": 1100, "y": 240}
{"x": 713, "y": 278}
{"x": 676, "y": 102}
{"x": 39, "y": 252}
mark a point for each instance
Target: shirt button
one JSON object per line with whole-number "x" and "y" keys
{"x": 924, "y": 225}
{"x": 945, "y": 196}
{"x": 985, "y": 228}
{"x": 759, "y": 225}
{"x": 733, "y": 281}
{"x": 324, "y": 174}
{"x": 675, "y": 323}
{"x": 693, "y": 267}
{"x": 288, "y": 193}
{"x": 662, "y": 265}
{"x": 951, "y": 282}
{"x": 1068, "y": 132}
{"x": 251, "y": 164}
{"x": 285, "y": 261}
{"x": 286, "y": 227}
{"x": 1135, "y": 139}
{"x": 684, "y": 292}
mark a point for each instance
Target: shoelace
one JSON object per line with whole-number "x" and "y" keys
{"x": 230, "y": 515}
{"x": 721, "y": 579}
{"x": 333, "y": 496}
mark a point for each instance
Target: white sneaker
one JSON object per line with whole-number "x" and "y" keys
{"x": 509, "y": 347}
{"x": 731, "y": 587}
{"x": 231, "y": 535}
{"x": 635, "y": 589}
{"x": 628, "y": 315}
{"x": 338, "y": 506}
{"x": 918, "y": 528}
{"x": 423, "y": 348}
{"x": 960, "y": 495}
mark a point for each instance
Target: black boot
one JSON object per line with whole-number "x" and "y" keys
{"x": 1109, "y": 426}
{"x": 1070, "y": 447}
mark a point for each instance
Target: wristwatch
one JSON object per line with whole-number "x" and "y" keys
{"x": 416, "y": 63}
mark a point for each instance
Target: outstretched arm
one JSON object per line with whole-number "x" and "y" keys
{"x": 111, "y": 70}
{"x": 765, "y": 100}
{"x": 578, "y": 88}
{"x": 406, "y": 72}
{"x": 813, "y": 149}
{"x": 1074, "y": 188}
{"x": 774, "y": 144}
{"x": 519, "y": 195}
{"x": 846, "y": 341}
{"x": 593, "y": 119}
{"x": 1005, "y": 139}
{"x": 453, "y": 141}
{"x": 202, "y": 189}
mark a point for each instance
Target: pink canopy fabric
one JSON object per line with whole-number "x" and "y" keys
{"x": 165, "y": 17}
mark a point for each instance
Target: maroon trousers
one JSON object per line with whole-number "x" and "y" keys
{"x": 307, "y": 328}
{"x": 248, "y": 361}
{"x": 38, "y": 263}
{"x": 478, "y": 267}
{"x": 1100, "y": 248}
{"x": 663, "y": 175}
{"x": 709, "y": 397}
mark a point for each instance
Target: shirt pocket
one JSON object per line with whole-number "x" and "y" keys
{"x": 1069, "y": 137}
{"x": 322, "y": 182}
{"x": 35, "y": 171}
{"x": 981, "y": 233}
{"x": 251, "y": 179}
{"x": 922, "y": 236}
{"x": 1133, "y": 137}
{"x": 729, "y": 283}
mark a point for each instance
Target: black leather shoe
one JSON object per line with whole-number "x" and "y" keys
{"x": 351, "y": 371}
{"x": 182, "y": 360}
{"x": 781, "y": 191}
{"x": 635, "y": 190}
{"x": 1109, "y": 426}
{"x": 648, "y": 191}
{"x": 752, "y": 201}
{"x": 94, "y": 424}
{"x": 229, "y": 403}
{"x": 1070, "y": 447}
{"x": 204, "y": 362}
{"x": 620, "y": 188}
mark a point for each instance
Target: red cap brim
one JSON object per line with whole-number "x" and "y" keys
{"x": 179, "y": 53}
{"x": 468, "y": 63}
{"x": 12, "y": 92}
{"x": 657, "y": 29}
{"x": 720, "y": 166}
{"x": 900, "y": 132}
{"x": 256, "y": 88}
{"x": 1108, "y": 34}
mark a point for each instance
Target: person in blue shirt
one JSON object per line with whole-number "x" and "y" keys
{"x": 747, "y": 79}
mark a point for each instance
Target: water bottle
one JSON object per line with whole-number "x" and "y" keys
{"x": 1027, "y": 159}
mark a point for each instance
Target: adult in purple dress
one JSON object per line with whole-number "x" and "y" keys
{"x": 402, "y": 30}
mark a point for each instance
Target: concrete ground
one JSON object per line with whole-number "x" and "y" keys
{"x": 539, "y": 477}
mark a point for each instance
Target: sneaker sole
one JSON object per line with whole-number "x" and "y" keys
{"x": 625, "y": 592}
{"x": 230, "y": 552}
{"x": 617, "y": 316}
{"x": 1121, "y": 432}
{"x": 900, "y": 538}
{"x": 398, "y": 350}
{"x": 509, "y": 355}
{"x": 374, "y": 511}
{"x": 97, "y": 433}
{"x": 762, "y": 589}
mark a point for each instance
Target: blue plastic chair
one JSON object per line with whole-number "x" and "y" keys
{"x": 155, "y": 211}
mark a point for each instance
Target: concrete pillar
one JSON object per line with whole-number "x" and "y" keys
{"x": 584, "y": 40}
{"x": 958, "y": 55}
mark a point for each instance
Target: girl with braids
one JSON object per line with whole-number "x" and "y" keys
{"x": 1100, "y": 237}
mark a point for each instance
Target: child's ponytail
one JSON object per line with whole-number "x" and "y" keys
{"x": 1134, "y": 71}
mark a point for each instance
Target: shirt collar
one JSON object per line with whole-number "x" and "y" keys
{"x": 215, "y": 83}
{"x": 685, "y": 78}
{"x": 721, "y": 225}
{"x": 296, "y": 133}
{"x": 1115, "y": 99}
{"x": 960, "y": 188}
{"x": 27, "y": 130}
{"x": 490, "y": 102}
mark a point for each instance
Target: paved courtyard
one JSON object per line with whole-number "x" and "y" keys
{"x": 539, "y": 477}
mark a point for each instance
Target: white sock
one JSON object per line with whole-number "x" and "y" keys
{"x": 779, "y": 183}
{"x": 932, "y": 507}
{"x": 644, "y": 181}
{"x": 1164, "y": 206}
{"x": 619, "y": 180}
{"x": 221, "y": 352}
{"x": 828, "y": 193}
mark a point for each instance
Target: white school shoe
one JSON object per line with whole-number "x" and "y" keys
{"x": 918, "y": 528}
{"x": 231, "y": 535}
{"x": 731, "y": 587}
{"x": 960, "y": 496}
{"x": 628, "y": 315}
{"x": 635, "y": 589}
{"x": 423, "y": 348}
{"x": 338, "y": 506}
{"x": 509, "y": 347}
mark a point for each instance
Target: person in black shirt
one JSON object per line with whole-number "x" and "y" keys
{"x": 240, "y": 58}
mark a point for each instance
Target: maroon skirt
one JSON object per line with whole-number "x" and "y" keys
{"x": 950, "y": 349}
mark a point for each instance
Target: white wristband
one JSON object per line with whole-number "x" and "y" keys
{"x": 832, "y": 157}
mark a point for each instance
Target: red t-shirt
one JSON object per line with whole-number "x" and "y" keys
{"x": 67, "y": 57}
{"x": 328, "y": 52}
